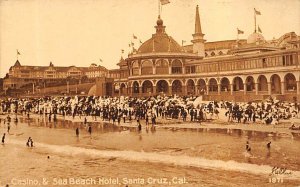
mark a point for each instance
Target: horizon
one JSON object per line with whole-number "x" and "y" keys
{"x": 46, "y": 33}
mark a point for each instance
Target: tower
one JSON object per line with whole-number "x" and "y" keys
{"x": 198, "y": 41}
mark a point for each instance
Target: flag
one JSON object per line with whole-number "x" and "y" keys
{"x": 257, "y": 12}
{"x": 240, "y": 31}
{"x": 134, "y": 37}
{"x": 258, "y": 28}
{"x": 18, "y": 53}
{"x": 164, "y": 2}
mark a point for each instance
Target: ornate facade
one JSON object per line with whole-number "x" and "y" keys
{"x": 233, "y": 70}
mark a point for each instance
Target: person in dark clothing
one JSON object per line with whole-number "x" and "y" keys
{"x": 90, "y": 129}
{"x": 248, "y": 148}
{"x": 147, "y": 120}
{"x": 192, "y": 114}
{"x": 77, "y": 132}
{"x": 8, "y": 119}
{"x": 31, "y": 142}
{"x": 119, "y": 119}
{"x": 3, "y": 138}
{"x": 139, "y": 126}
{"x": 201, "y": 116}
{"x": 8, "y": 128}
{"x": 54, "y": 117}
{"x": 269, "y": 146}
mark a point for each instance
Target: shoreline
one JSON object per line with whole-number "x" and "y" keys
{"x": 175, "y": 124}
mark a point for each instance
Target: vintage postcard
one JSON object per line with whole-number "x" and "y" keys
{"x": 149, "y": 93}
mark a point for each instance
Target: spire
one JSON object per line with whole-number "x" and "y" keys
{"x": 198, "y": 40}
{"x": 197, "y": 22}
{"x": 17, "y": 63}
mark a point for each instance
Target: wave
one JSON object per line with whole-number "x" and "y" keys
{"x": 178, "y": 160}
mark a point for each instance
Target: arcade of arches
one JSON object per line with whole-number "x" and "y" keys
{"x": 273, "y": 84}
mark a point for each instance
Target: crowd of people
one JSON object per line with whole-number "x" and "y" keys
{"x": 126, "y": 109}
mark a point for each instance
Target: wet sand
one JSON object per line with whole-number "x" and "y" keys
{"x": 220, "y": 123}
{"x": 177, "y": 149}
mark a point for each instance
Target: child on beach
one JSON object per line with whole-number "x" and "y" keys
{"x": 28, "y": 142}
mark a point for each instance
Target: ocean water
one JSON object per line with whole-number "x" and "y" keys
{"x": 122, "y": 156}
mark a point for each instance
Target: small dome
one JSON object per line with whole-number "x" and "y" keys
{"x": 159, "y": 21}
{"x": 255, "y": 37}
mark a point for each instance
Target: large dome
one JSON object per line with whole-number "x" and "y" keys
{"x": 160, "y": 41}
{"x": 255, "y": 37}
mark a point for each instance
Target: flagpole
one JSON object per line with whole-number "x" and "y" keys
{"x": 158, "y": 7}
{"x": 237, "y": 39}
{"x": 254, "y": 20}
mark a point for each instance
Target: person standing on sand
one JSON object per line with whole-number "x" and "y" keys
{"x": 77, "y": 132}
{"x": 248, "y": 148}
{"x": 119, "y": 119}
{"x": 8, "y": 127}
{"x": 8, "y": 119}
{"x": 201, "y": 116}
{"x": 3, "y": 138}
{"x": 90, "y": 129}
{"x": 139, "y": 125}
{"x": 147, "y": 120}
{"x": 269, "y": 146}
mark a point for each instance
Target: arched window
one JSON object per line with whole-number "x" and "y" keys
{"x": 290, "y": 82}
{"x": 135, "y": 68}
{"x": 135, "y": 87}
{"x": 176, "y": 67}
{"x": 275, "y": 84}
{"x": 213, "y": 85}
{"x": 147, "y": 68}
{"x": 162, "y": 67}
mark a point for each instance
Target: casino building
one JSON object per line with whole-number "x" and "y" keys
{"x": 239, "y": 70}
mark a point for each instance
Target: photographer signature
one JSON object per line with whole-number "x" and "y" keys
{"x": 280, "y": 171}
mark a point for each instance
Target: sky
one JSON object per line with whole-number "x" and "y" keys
{"x": 81, "y": 32}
